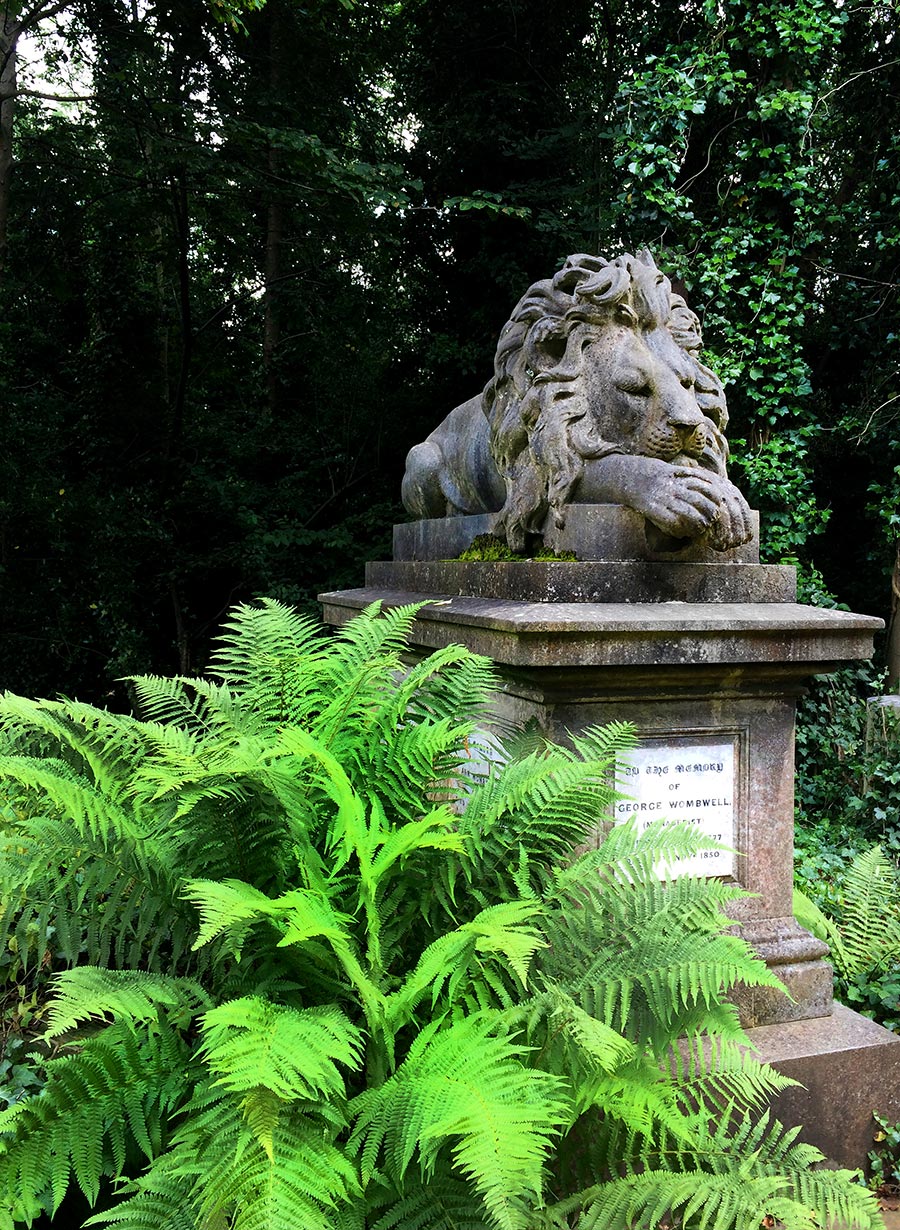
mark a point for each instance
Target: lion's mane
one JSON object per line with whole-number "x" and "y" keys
{"x": 542, "y": 429}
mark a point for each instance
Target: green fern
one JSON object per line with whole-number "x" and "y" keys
{"x": 117, "y": 1093}
{"x": 316, "y": 968}
{"x": 868, "y": 934}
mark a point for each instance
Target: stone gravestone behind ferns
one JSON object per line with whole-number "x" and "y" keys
{"x": 602, "y": 433}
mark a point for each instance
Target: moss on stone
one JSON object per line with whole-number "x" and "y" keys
{"x": 488, "y": 548}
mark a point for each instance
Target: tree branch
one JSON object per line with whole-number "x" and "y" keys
{"x": 38, "y": 13}
{"x": 54, "y": 97}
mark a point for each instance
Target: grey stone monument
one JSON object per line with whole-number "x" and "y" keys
{"x": 602, "y": 433}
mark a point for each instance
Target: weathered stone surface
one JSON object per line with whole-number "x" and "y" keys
{"x": 848, "y": 1067}
{"x": 590, "y": 531}
{"x": 598, "y": 396}
{"x": 441, "y": 538}
{"x": 795, "y": 956}
{"x": 692, "y": 674}
{"x": 597, "y": 581}
{"x": 558, "y": 634}
{"x": 613, "y": 531}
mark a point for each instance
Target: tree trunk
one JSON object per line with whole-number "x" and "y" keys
{"x": 274, "y": 222}
{"x": 9, "y": 34}
{"x": 893, "y": 648}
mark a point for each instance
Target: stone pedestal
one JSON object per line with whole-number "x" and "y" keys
{"x": 847, "y": 1067}
{"x": 688, "y": 675}
{"x": 707, "y": 659}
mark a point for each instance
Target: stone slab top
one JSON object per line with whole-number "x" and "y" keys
{"x": 626, "y": 634}
{"x": 844, "y": 1030}
{"x": 606, "y": 617}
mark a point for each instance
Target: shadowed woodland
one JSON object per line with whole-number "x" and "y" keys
{"x": 251, "y": 255}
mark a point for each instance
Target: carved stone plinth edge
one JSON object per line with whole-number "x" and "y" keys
{"x": 846, "y": 1066}
{"x": 591, "y": 581}
{"x": 591, "y": 531}
{"x": 797, "y": 958}
{"x": 800, "y": 639}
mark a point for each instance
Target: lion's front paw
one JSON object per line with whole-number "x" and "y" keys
{"x": 682, "y": 502}
{"x": 734, "y": 524}
{"x": 690, "y": 502}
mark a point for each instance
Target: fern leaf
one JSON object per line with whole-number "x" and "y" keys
{"x": 230, "y": 906}
{"x": 870, "y": 931}
{"x": 306, "y": 1181}
{"x": 153, "y": 1205}
{"x": 121, "y": 1077}
{"x": 465, "y": 1086}
{"x": 251, "y": 1043}
{"x": 87, "y": 993}
{"x": 446, "y": 1202}
{"x": 501, "y": 932}
{"x": 52, "y": 874}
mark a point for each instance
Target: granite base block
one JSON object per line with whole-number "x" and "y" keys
{"x": 848, "y": 1067}
{"x": 589, "y": 581}
{"x": 592, "y": 531}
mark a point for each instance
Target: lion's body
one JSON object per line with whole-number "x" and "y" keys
{"x": 593, "y": 400}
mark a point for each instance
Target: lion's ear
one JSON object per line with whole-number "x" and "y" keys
{"x": 626, "y": 314}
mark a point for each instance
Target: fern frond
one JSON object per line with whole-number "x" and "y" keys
{"x": 227, "y": 906}
{"x": 304, "y": 1184}
{"x": 102, "y": 745}
{"x": 88, "y": 994}
{"x": 444, "y": 1203}
{"x": 462, "y": 1084}
{"x": 91, "y": 810}
{"x": 868, "y": 934}
{"x": 728, "y": 1179}
{"x": 122, "y": 1084}
{"x": 654, "y": 989}
{"x": 376, "y": 633}
{"x": 808, "y": 915}
{"x": 155, "y": 1203}
{"x": 451, "y": 684}
{"x": 52, "y": 875}
{"x": 258, "y": 631}
{"x": 437, "y": 830}
{"x": 503, "y": 933}
{"x": 251, "y": 1043}
{"x": 717, "y": 1076}
{"x": 271, "y": 657}
{"x": 194, "y": 706}
{"x": 303, "y": 1179}
{"x": 217, "y": 1174}
{"x": 231, "y": 906}
{"x": 869, "y": 928}
{"x": 696, "y": 1200}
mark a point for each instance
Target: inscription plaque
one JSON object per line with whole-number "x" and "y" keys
{"x": 689, "y": 782}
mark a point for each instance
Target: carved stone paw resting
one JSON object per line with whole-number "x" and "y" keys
{"x": 687, "y": 502}
{"x": 598, "y": 396}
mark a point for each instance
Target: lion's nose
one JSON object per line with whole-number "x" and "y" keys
{"x": 685, "y": 414}
{"x": 691, "y": 436}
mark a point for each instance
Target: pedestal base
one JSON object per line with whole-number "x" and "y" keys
{"x": 710, "y": 688}
{"x": 849, "y": 1068}
{"x": 794, "y": 956}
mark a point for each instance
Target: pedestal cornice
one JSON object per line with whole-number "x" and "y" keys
{"x": 802, "y": 640}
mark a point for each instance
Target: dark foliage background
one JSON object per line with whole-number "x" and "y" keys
{"x": 254, "y": 265}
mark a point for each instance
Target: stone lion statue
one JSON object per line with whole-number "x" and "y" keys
{"x": 598, "y": 397}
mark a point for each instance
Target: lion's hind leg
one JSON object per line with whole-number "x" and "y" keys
{"x": 422, "y": 490}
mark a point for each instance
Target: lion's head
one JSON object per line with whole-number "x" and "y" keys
{"x": 600, "y": 359}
